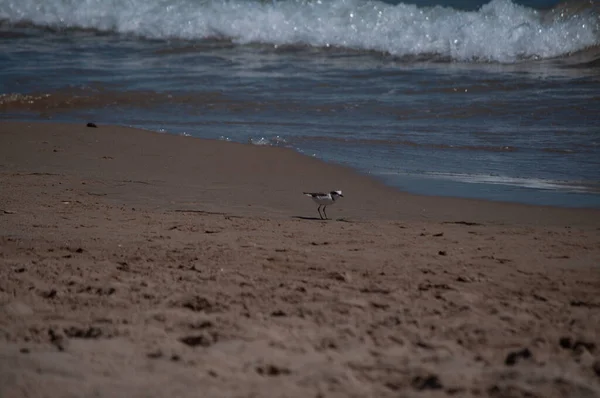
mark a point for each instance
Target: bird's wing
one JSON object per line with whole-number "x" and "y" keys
{"x": 314, "y": 194}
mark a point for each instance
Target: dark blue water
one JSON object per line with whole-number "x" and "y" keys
{"x": 496, "y": 100}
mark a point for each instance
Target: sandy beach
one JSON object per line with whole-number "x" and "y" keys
{"x": 139, "y": 264}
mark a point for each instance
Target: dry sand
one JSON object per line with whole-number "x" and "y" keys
{"x": 136, "y": 264}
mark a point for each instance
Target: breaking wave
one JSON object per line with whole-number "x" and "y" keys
{"x": 500, "y": 31}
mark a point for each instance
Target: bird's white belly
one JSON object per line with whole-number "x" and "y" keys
{"x": 323, "y": 201}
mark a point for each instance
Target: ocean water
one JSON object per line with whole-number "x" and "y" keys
{"x": 497, "y": 100}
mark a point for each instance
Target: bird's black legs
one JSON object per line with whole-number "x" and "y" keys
{"x": 324, "y": 207}
{"x": 319, "y": 210}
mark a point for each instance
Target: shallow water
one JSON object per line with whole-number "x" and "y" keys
{"x": 501, "y": 101}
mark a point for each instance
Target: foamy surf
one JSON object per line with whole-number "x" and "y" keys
{"x": 521, "y": 182}
{"x": 401, "y": 30}
{"x": 267, "y": 141}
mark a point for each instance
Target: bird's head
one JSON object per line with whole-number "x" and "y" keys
{"x": 336, "y": 193}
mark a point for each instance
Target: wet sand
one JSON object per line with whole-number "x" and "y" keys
{"x": 139, "y": 264}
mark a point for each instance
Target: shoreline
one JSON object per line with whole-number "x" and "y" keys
{"x": 459, "y": 190}
{"x": 366, "y": 197}
{"x": 136, "y": 264}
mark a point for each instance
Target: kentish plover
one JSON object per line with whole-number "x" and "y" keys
{"x": 324, "y": 199}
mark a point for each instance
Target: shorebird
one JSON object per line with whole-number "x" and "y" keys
{"x": 324, "y": 199}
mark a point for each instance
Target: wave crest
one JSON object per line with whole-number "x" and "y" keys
{"x": 499, "y": 31}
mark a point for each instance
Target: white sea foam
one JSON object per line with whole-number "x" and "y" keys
{"x": 262, "y": 141}
{"x": 272, "y": 141}
{"x": 523, "y": 182}
{"x": 499, "y": 31}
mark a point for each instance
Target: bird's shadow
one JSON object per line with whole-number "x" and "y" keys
{"x": 321, "y": 219}
{"x": 308, "y": 218}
